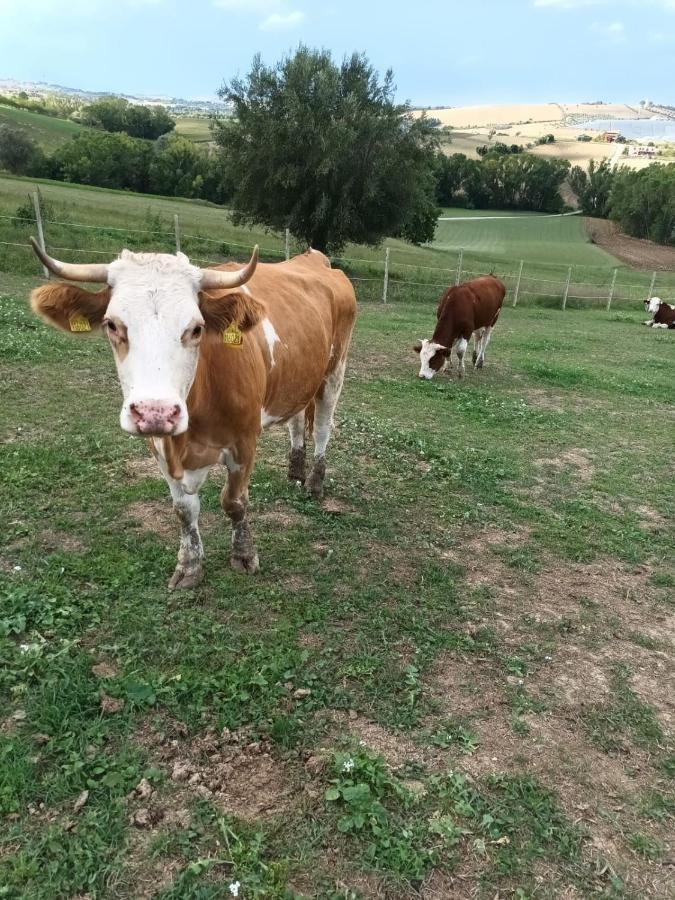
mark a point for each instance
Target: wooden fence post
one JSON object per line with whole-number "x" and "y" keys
{"x": 385, "y": 286}
{"x": 567, "y": 287}
{"x": 287, "y": 247}
{"x": 611, "y": 289}
{"x": 35, "y": 197}
{"x": 651, "y": 286}
{"x": 459, "y": 266}
{"x": 176, "y": 229}
{"x": 520, "y": 275}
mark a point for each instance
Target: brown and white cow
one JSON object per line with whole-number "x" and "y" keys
{"x": 206, "y": 359}
{"x": 663, "y": 314}
{"x": 467, "y": 309}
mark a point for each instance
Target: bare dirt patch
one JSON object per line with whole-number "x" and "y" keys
{"x": 395, "y": 747}
{"x": 53, "y": 541}
{"x": 281, "y": 515}
{"x": 575, "y": 459}
{"x": 634, "y": 251}
{"x": 157, "y": 517}
{"x": 142, "y": 467}
{"x": 236, "y": 774}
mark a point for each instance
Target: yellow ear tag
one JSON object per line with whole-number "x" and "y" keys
{"x": 79, "y": 323}
{"x": 232, "y": 337}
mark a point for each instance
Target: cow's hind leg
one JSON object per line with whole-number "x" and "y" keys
{"x": 487, "y": 333}
{"x": 296, "y": 459}
{"x": 477, "y": 338}
{"x": 234, "y": 500}
{"x": 325, "y": 403}
{"x": 189, "y": 569}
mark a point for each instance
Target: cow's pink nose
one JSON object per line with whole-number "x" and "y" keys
{"x": 154, "y": 416}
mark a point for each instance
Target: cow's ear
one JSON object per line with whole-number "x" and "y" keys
{"x": 69, "y": 307}
{"x": 222, "y": 309}
{"x": 417, "y": 346}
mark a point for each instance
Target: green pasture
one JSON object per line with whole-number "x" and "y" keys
{"x": 48, "y": 131}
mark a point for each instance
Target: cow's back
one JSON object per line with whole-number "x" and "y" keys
{"x": 467, "y": 307}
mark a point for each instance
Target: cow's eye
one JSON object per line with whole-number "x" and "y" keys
{"x": 197, "y": 331}
{"x": 110, "y": 325}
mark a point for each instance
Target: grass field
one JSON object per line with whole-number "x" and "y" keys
{"x": 49, "y": 132}
{"x": 197, "y": 129}
{"x": 123, "y": 219}
{"x": 450, "y": 680}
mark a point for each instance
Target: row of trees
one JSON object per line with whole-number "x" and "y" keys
{"x": 641, "y": 202}
{"x": 173, "y": 166}
{"x": 501, "y": 181}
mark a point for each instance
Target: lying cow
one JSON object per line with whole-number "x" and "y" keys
{"x": 663, "y": 314}
{"x": 206, "y": 359}
{"x": 468, "y": 309}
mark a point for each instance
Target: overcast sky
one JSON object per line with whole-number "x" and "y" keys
{"x": 441, "y": 51}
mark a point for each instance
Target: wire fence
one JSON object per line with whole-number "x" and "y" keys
{"x": 390, "y": 278}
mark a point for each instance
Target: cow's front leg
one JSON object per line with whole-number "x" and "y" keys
{"x": 649, "y": 322}
{"x": 189, "y": 568}
{"x": 234, "y": 500}
{"x": 296, "y": 459}
{"x": 460, "y": 350}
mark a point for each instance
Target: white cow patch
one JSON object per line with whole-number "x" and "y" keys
{"x": 271, "y": 337}
{"x": 227, "y": 458}
{"x": 266, "y": 419}
{"x": 653, "y": 305}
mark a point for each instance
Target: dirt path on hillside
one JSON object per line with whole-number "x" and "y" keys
{"x": 633, "y": 251}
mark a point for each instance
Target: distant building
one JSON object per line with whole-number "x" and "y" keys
{"x": 609, "y": 137}
{"x": 642, "y": 150}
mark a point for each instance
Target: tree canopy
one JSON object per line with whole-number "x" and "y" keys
{"x": 117, "y": 114}
{"x": 324, "y": 150}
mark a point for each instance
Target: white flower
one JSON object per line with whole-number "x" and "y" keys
{"x": 17, "y": 568}
{"x": 234, "y": 888}
{"x": 348, "y": 765}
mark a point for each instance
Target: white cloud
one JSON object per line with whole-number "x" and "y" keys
{"x": 281, "y": 21}
{"x": 615, "y": 32}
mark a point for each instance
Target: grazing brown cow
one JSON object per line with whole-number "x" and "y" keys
{"x": 206, "y": 359}
{"x": 663, "y": 314}
{"x": 468, "y": 309}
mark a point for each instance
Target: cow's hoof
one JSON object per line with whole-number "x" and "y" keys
{"x": 474, "y": 357}
{"x": 185, "y": 579}
{"x": 245, "y": 565}
{"x": 479, "y": 364}
{"x": 315, "y": 486}
{"x": 296, "y": 466}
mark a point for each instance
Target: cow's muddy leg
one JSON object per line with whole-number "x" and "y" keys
{"x": 189, "y": 569}
{"x": 234, "y": 500}
{"x": 325, "y": 403}
{"x": 296, "y": 458}
{"x": 460, "y": 350}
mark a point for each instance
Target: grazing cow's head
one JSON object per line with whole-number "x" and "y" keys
{"x": 433, "y": 357}
{"x": 155, "y": 309}
{"x": 652, "y": 305}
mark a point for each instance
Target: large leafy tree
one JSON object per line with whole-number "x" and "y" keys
{"x": 593, "y": 188}
{"x": 643, "y": 202}
{"x": 117, "y": 114}
{"x": 324, "y": 150}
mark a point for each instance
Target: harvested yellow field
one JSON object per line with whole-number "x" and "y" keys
{"x": 523, "y": 113}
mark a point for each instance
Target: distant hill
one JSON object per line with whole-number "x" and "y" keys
{"x": 49, "y": 132}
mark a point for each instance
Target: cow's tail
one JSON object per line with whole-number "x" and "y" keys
{"x": 309, "y": 419}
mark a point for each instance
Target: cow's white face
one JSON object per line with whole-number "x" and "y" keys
{"x": 652, "y": 305}
{"x": 433, "y": 358}
{"x": 155, "y": 326}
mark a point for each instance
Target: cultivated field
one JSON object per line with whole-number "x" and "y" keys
{"x": 448, "y": 681}
{"x": 49, "y": 132}
{"x": 196, "y": 128}
{"x": 525, "y": 113}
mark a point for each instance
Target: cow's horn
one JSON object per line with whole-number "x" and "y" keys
{"x": 95, "y": 272}
{"x": 217, "y": 278}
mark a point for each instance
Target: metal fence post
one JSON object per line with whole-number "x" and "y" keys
{"x": 520, "y": 275}
{"x": 35, "y": 197}
{"x": 176, "y": 228}
{"x": 385, "y": 286}
{"x": 287, "y": 247}
{"x": 651, "y": 286}
{"x": 567, "y": 287}
{"x": 611, "y": 289}
{"x": 459, "y": 266}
